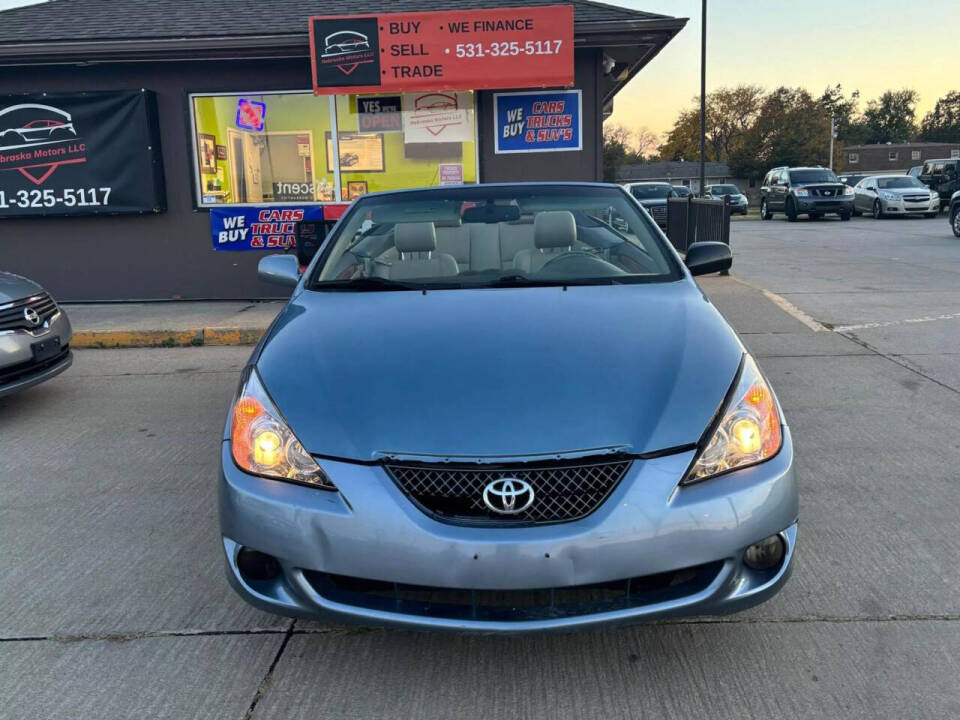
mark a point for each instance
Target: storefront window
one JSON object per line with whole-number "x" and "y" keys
{"x": 388, "y": 142}
{"x": 279, "y": 147}
{"x": 265, "y": 148}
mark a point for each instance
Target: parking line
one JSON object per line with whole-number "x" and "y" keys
{"x": 787, "y": 306}
{"x": 890, "y": 323}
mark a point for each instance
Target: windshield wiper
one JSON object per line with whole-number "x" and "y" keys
{"x": 364, "y": 283}
{"x": 524, "y": 281}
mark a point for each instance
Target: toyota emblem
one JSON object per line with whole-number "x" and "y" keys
{"x": 31, "y": 316}
{"x": 508, "y": 496}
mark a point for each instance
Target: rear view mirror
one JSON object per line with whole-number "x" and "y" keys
{"x": 708, "y": 257}
{"x": 491, "y": 213}
{"x": 279, "y": 270}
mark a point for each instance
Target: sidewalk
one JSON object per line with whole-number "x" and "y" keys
{"x": 169, "y": 324}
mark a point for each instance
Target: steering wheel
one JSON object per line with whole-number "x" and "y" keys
{"x": 579, "y": 263}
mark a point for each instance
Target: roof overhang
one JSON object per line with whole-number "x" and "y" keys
{"x": 627, "y": 45}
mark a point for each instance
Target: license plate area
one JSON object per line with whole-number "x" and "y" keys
{"x": 46, "y": 348}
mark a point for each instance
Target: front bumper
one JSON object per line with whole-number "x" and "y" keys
{"x": 18, "y": 371}
{"x": 825, "y": 205}
{"x": 901, "y": 207}
{"x": 371, "y": 531}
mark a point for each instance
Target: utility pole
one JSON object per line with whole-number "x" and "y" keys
{"x": 703, "y": 96}
{"x": 833, "y": 134}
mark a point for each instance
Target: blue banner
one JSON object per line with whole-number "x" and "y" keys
{"x": 259, "y": 228}
{"x": 538, "y": 121}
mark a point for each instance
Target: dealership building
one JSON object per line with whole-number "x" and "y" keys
{"x": 155, "y": 149}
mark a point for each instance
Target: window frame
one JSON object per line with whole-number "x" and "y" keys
{"x": 853, "y": 158}
{"x": 196, "y": 180}
{"x": 893, "y": 155}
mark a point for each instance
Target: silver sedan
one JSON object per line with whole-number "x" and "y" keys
{"x": 887, "y": 195}
{"x": 34, "y": 335}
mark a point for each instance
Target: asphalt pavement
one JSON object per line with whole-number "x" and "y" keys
{"x": 113, "y": 602}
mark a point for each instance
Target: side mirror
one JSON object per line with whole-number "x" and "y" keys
{"x": 708, "y": 257}
{"x": 279, "y": 270}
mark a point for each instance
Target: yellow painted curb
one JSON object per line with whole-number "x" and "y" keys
{"x": 166, "y": 338}
{"x": 232, "y": 336}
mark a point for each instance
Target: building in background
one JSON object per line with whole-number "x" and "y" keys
{"x": 893, "y": 158}
{"x": 186, "y": 109}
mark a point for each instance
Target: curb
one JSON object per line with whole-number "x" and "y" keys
{"x": 223, "y": 336}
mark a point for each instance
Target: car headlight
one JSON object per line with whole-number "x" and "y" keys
{"x": 848, "y": 190}
{"x": 263, "y": 444}
{"x": 802, "y": 192}
{"x": 934, "y": 196}
{"x": 748, "y": 431}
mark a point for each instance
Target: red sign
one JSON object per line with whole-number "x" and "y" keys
{"x": 445, "y": 50}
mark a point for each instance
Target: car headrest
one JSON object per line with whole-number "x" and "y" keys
{"x": 415, "y": 237}
{"x": 554, "y": 229}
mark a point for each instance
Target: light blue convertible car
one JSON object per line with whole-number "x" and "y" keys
{"x": 504, "y": 408}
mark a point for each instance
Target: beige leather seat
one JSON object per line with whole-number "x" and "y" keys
{"x": 417, "y": 242}
{"x": 554, "y": 233}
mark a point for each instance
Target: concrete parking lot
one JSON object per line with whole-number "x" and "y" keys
{"x": 113, "y": 603}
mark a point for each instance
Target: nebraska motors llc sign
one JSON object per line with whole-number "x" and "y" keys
{"x": 80, "y": 154}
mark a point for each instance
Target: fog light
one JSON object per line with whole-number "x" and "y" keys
{"x": 254, "y": 565}
{"x": 766, "y": 554}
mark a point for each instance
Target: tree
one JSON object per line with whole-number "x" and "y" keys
{"x": 892, "y": 117}
{"x": 622, "y": 146}
{"x": 849, "y": 126}
{"x": 730, "y": 114}
{"x": 792, "y": 128}
{"x": 942, "y": 124}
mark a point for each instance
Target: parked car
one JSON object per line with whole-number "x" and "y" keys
{"x": 738, "y": 201}
{"x": 683, "y": 191}
{"x": 815, "y": 191}
{"x": 851, "y": 179}
{"x": 915, "y": 171}
{"x": 516, "y": 418}
{"x": 653, "y": 196}
{"x": 955, "y": 213}
{"x": 35, "y": 335}
{"x": 941, "y": 176}
{"x": 885, "y": 195}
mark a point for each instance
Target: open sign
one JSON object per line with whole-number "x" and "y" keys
{"x": 251, "y": 114}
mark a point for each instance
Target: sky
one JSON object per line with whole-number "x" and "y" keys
{"x": 865, "y": 45}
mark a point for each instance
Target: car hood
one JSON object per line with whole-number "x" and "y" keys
{"x": 513, "y": 372}
{"x": 908, "y": 191}
{"x": 15, "y": 287}
{"x": 650, "y": 202}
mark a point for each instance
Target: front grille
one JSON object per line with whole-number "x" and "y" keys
{"x": 514, "y": 605}
{"x": 917, "y": 198}
{"x": 561, "y": 491}
{"x": 826, "y": 191}
{"x": 12, "y": 317}
{"x": 658, "y": 211}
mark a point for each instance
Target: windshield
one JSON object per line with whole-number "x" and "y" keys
{"x": 493, "y": 236}
{"x": 651, "y": 192}
{"x": 724, "y": 190}
{"x": 900, "y": 181}
{"x": 812, "y": 176}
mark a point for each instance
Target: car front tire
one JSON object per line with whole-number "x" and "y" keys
{"x": 791, "y": 210}
{"x": 878, "y": 213}
{"x": 765, "y": 213}
{"x": 955, "y": 221}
